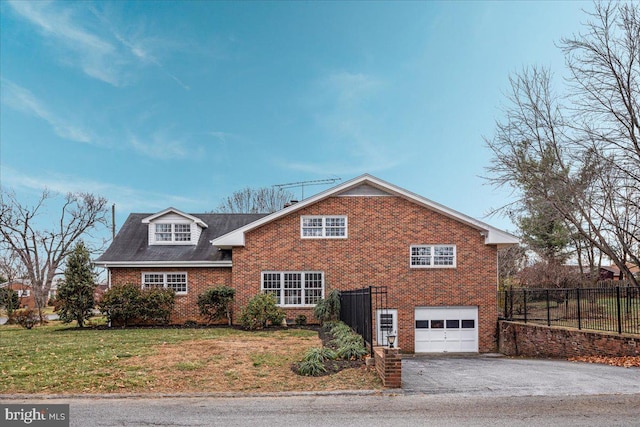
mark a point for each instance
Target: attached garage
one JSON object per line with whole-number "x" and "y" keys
{"x": 446, "y": 329}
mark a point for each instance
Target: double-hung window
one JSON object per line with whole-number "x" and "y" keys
{"x": 294, "y": 288}
{"x": 433, "y": 256}
{"x": 323, "y": 227}
{"x": 175, "y": 281}
{"x": 172, "y": 233}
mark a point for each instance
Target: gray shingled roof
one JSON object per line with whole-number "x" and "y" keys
{"x": 131, "y": 245}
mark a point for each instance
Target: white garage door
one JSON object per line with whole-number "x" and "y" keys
{"x": 446, "y": 329}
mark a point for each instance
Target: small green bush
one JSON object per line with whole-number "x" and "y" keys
{"x": 123, "y": 304}
{"x": 260, "y": 312}
{"x": 328, "y": 326}
{"x": 215, "y": 303}
{"x": 25, "y": 317}
{"x": 328, "y": 309}
{"x": 301, "y": 320}
{"x": 157, "y": 305}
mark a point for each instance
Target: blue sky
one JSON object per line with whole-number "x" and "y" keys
{"x": 164, "y": 103}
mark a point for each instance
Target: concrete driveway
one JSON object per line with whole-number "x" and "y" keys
{"x": 492, "y": 375}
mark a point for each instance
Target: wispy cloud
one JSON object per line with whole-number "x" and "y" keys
{"x": 126, "y": 198}
{"x": 160, "y": 145}
{"x": 21, "y": 99}
{"x": 90, "y": 41}
{"x": 96, "y": 56}
{"x": 223, "y": 137}
{"x": 137, "y": 46}
{"x": 350, "y": 88}
{"x": 342, "y": 112}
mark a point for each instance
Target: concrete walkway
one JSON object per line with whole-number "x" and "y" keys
{"x": 500, "y": 376}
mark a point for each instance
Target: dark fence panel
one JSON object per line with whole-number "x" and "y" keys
{"x": 357, "y": 308}
{"x": 611, "y": 309}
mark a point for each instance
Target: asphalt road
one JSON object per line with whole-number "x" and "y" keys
{"x": 437, "y": 391}
{"x": 359, "y": 410}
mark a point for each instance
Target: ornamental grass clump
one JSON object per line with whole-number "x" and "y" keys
{"x": 350, "y": 346}
{"x": 314, "y": 360}
{"x": 349, "y": 349}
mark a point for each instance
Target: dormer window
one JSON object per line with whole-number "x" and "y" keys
{"x": 173, "y": 232}
{"x": 172, "y": 227}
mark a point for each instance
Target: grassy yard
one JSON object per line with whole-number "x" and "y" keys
{"x": 61, "y": 359}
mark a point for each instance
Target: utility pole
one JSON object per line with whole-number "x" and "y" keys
{"x": 302, "y": 184}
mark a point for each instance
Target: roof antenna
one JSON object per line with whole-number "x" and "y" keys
{"x": 302, "y": 184}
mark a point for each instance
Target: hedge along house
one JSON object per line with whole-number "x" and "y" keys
{"x": 439, "y": 266}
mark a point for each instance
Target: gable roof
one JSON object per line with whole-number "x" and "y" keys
{"x": 492, "y": 235}
{"x": 131, "y": 247}
{"x": 195, "y": 219}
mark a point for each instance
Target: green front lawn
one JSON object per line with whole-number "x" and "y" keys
{"x": 61, "y": 359}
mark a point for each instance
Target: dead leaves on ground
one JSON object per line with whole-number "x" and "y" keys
{"x": 624, "y": 361}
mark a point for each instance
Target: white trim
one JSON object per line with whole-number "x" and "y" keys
{"x": 192, "y": 218}
{"x": 381, "y": 336}
{"x": 282, "y": 288}
{"x": 153, "y": 233}
{"x": 433, "y": 255}
{"x": 164, "y": 273}
{"x": 184, "y": 264}
{"x": 493, "y": 236}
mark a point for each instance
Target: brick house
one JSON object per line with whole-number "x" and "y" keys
{"x": 26, "y": 298}
{"x": 439, "y": 266}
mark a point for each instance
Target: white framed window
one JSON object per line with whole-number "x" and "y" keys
{"x": 294, "y": 288}
{"x": 175, "y": 281}
{"x": 182, "y": 232}
{"x": 168, "y": 233}
{"x": 432, "y": 256}
{"x": 323, "y": 227}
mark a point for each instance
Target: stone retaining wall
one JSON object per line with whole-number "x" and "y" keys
{"x": 528, "y": 339}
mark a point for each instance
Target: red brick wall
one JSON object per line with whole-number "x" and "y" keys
{"x": 198, "y": 281}
{"x": 519, "y": 339}
{"x": 389, "y": 366}
{"x": 376, "y": 253}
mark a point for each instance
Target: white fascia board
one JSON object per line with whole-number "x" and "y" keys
{"x": 493, "y": 235}
{"x": 195, "y": 219}
{"x": 181, "y": 264}
{"x": 500, "y": 238}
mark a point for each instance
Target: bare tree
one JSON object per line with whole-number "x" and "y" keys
{"x": 578, "y": 156}
{"x": 255, "y": 200}
{"x": 511, "y": 260}
{"x": 11, "y": 267}
{"x": 42, "y": 250}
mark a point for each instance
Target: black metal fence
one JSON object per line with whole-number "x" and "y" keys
{"x": 357, "y": 308}
{"x": 613, "y": 309}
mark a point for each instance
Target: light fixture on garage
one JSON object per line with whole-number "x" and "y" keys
{"x": 391, "y": 339}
